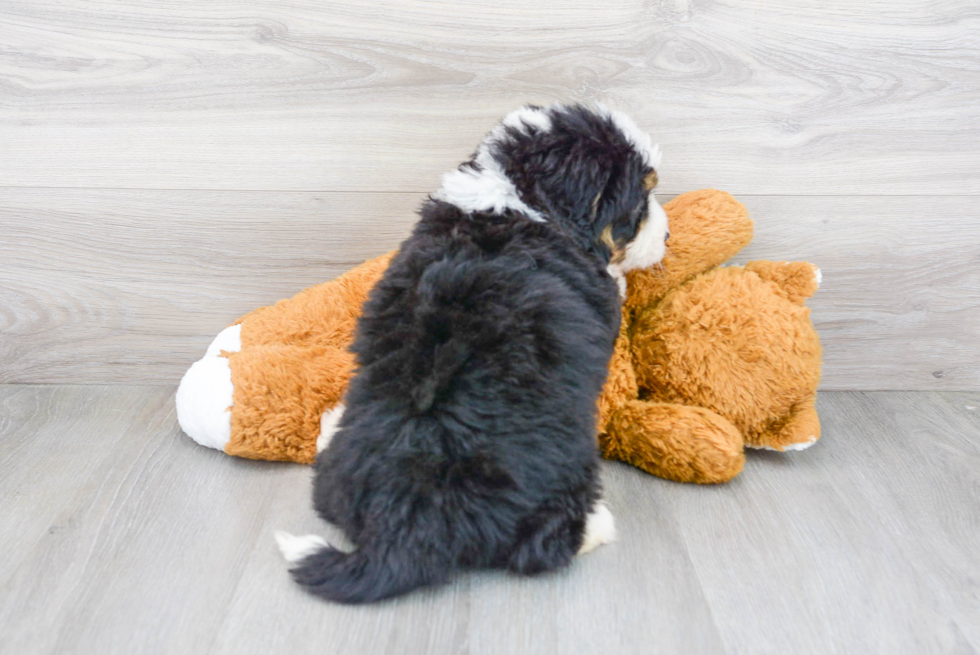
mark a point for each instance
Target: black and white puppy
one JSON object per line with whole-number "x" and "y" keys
{"x": 469, "y": 433}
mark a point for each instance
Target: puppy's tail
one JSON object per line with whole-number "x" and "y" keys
{"x": 362, "y": 576}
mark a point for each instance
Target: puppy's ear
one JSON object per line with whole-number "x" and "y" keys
{"x": 617, "y": 214}
{"x": 650, "y": 180}
{"x": 606, "y": 243}
{"x": 577, "y": 169}
{"x": 568, "y": 183}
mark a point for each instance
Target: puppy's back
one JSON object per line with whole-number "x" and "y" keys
{"x": 470, "y": 422}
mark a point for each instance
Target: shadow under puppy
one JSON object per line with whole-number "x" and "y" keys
{"x": 468, "y": 434}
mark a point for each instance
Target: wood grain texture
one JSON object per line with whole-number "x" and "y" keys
{"x": 44, "y": 462}
{"x": 120, "y": 535}
{"x": 785, "y": 97}
{"x": 131, "y": 285}
{"x": 866, "y": 543}
{"x": 899, "y": 305}
{"x": 129, "y": 549}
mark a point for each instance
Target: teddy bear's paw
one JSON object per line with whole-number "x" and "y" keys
{"x": 229, "y": 339}
{"x": 798, "y": 432}
{"x": 204, "y": 400}
{"x": 600, "y": 528}
{"x": 795, "y": 281}
{"x": 329, "y": 424}
{"x": 802, "y": 445}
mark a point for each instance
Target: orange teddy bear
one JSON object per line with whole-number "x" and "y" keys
{"x": 708, "y": 361}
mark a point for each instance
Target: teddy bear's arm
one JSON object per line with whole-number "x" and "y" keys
{"x": 676, "y": 442}
{"x": 707, "y": 227}
{"x": 797, "y": 280}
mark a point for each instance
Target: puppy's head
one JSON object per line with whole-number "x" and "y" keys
{"x": 592, "y": 172}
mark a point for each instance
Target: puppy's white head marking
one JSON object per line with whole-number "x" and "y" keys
{"x": 520, "y": 119}
{"x": 484, "y": 186}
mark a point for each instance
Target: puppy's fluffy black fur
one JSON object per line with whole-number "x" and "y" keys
{"x": 468, "y": 438}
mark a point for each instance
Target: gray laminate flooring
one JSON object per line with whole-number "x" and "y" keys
{"x": 120, "y": 535}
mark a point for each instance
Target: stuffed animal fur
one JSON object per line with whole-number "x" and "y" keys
{"x": 709, "y": 359}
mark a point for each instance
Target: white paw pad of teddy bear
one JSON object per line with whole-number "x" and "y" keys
{"x": 204, "y": 397}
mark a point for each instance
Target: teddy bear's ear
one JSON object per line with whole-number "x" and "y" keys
{"x": 707, "y": 227}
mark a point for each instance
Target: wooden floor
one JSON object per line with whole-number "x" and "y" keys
{"x": 120, "y": 535}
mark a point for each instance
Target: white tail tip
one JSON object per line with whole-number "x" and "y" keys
{"x": 295, "y": 549}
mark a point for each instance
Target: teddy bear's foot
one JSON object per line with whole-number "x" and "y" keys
{"x": 797, "y": 280}
{"x": 204, "y": 397}
{"x": 800, "y": 431}
{"x": 676, "y": 442}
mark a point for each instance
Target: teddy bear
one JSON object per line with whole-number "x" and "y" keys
{"x": 709, "y": 359}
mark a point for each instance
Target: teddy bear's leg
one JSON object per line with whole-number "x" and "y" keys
{"x": 281, "y": 394}
{"x": 676, "y": 442}
{"x": 797, "y": 280}
{"x": 204, "y": 396}
{"x": 798, "y": 432}
{"x": 600, "y": 528}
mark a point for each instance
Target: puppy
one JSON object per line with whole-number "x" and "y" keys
{"x": 468, "y": 436}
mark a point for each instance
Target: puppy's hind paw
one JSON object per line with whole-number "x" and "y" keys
{"x": 600, "y": 528}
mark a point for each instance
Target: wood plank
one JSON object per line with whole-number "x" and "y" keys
{"x": 147, "y": 531}
{"x": 100, "y": 285}
{"x": 864, "y": 543}
{"x": 625, "y": 598}
{"x": 131, "y": 286}
{"x": 899, "y": 305}
{"x": 50, "y": 452}
{"x": 151, "y": 558}
{"x": 785, "y": 97}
